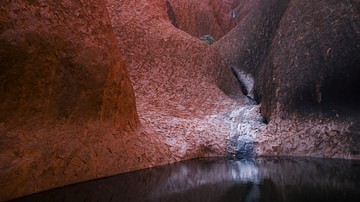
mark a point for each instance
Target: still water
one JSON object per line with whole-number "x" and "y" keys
{"x": 223, "y": 180}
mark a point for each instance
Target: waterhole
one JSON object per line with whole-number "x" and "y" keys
{"x": 224, "y": 180}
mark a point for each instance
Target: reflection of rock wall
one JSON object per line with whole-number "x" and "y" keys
{"x": 309, "y": 172}
{"x": 273, "y": 179}
{"x": 312, "y": 179}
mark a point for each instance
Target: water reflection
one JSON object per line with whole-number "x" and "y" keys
{"x": 263, "y": 179}
{"x": 244, "y": 171}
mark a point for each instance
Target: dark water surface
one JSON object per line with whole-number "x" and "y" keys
{"x": 202, "y": 180}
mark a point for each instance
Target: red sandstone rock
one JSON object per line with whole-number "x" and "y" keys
{"x": 67, "y": 110}
{"x": 176, "y": 79}
{"x": 67, "y": 106}
{"x": 66, "y": 100}
{"x": 199, "y": 18}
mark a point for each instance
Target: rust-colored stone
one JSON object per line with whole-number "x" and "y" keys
{"x": 199, "y": 18}
{"x": 68, "y": 70}
{"x": 67, "y": 106}
{"x": 176, "y": 79}
{"x": 66, "y": 98}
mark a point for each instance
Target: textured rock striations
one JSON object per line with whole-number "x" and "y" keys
{"x": 313, "y": 79}
{"x": 176, "y": 79}
{"x": 67, "y": 108}
{"x": 67, "y": 105}
{"x": 303, "y": 57}
{"x": 199, "y": 18}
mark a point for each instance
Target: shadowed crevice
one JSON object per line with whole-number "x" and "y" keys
{"x": 171, "y": 13}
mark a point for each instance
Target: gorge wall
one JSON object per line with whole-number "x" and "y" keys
{"x": 67, "y": 104}
{"x": 67, "y": 107}
{"x": 66, "y": 98}
{"x": 96, "y": 88}
{"x": 304, "y": 60}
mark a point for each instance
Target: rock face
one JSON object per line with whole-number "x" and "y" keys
{"x": 72, "y": 70}
{"x": 52, "y": 72}
{"x": 67, "y": 107}
{"x": 304, "y": 59}
{"x": 246, "y": 46}
{"x": 316, "y": 73}
{"x": 176, "y": 78}
{"x": 199, "y": 18}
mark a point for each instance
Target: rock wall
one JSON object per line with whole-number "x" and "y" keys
{"x": 246, "y": 46}
{"x": 67, "y": 107}
{"x": 305, "y": 67}
{"x": 199, "y": 18}
{"x": 313, "y": 79}
{"x": 176, "y": 79}
{"x": 59, "y": 65}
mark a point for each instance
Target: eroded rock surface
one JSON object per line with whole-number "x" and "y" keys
{"x": 199, "y": 18}
{"x": 67, "y": 108}
{"x": 176, "y": 79}
{"x": 316, "y": 85}
{"x": 68, "y": 111}
{"x": 303, "y": 57}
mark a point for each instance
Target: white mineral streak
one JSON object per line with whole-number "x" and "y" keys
{"x": 248, "y": 81}
{"x": 245, "y": 122}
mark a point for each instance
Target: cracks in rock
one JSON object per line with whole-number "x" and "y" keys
{"x": 246, "y": 82}
{"x": 171, "y": 13}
